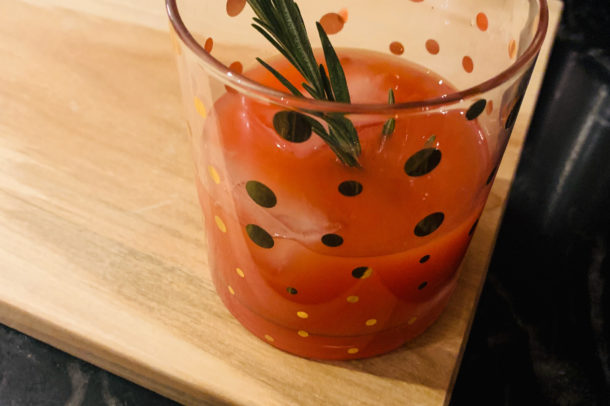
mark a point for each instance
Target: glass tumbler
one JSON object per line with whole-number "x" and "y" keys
{"x": 334, "y": 258}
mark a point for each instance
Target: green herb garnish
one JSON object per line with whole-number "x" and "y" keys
{"x": 431, "y": 141}
{"x": 390, "y": 125}
{"x": 281, "y": 23}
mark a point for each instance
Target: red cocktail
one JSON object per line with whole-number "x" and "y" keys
{"x": 330, "y": 260}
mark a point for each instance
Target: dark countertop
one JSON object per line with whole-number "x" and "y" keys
{"x": 538, "y": 337}
{"x": 33, "y": 373}
{"x": 541, "y": 335}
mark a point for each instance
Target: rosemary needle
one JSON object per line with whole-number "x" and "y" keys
{"x": 281, "y": 23}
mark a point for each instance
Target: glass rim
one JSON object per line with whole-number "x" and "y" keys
{"x": 243, "y": 84}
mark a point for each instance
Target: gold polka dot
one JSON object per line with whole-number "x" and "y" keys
{"x": 269, "y": 338}
{"x": 412, "y": 320}
{"x": 302, "y": 315}
{"x": 332, "y": 23}
{"x": 362, "y": 272}
{"x": 200, "y": 107}
{"x": 433, "y": 47}
{"x": 234, "y": 7}
{"x": 214, "y": 174}
{"x": 303, "y": 333}
{"x": 209, "y": 45}
{"x": 353, "y": 350}
{"x": 220, "y": 224}
{"x": 490, "y": 107}
{"x": 240, "y": 272}
{"x": 231, "y": 290}
{"x": 468, "y": 64}
{"x": 371, "y": 322}
{"x": 236, "y": 67}
{"x": 482, "y": 21}
{"x": 353, "y": 299}
{"x": 397, "y": 48}
{"x": 512, "y": 48}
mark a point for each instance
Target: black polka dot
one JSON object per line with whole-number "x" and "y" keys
{"x": 291, "y": 290}
{"x": 429, "y": 224}
{"x": 332, "y": 240}
{"x": 261, "y": 194}
{"x": 350, "y": 188}
{"x": 360, "y": 272}
{"x": 476, "y": 109}
{"x": 424, "y": 259}
{"x": 422, "y": 285}
{"x": 474, "y": 227}
{"x": 259, "y": 236}
{"x": 492, "y": 175}
{"x": 512, "y": 117}
{"x": 423, "y": 162}
{"x": 292, "y": 126}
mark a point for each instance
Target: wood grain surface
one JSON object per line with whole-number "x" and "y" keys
{"x": 102, "y": 252}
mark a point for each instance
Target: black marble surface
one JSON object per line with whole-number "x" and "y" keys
{"x": 541, "y": 333}
{"x": 33, "y": 373}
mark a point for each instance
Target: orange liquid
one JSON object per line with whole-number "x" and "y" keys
{"x": 384, "y": 284}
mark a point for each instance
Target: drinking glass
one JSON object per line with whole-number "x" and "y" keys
{"x": 330, "y": 259}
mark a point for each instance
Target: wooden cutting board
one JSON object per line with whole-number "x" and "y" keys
{"x": 102, "y": 252}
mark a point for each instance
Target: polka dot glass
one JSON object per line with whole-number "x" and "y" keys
{"x": 325, "y": 260}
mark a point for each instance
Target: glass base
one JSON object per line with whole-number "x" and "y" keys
{"x": 325, "y": 347}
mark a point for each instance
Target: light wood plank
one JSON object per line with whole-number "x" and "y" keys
{"x": 101, "y": 243}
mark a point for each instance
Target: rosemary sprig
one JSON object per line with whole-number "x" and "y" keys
{"x": 390, "y": 125}
{"x": 281, "y": 23}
